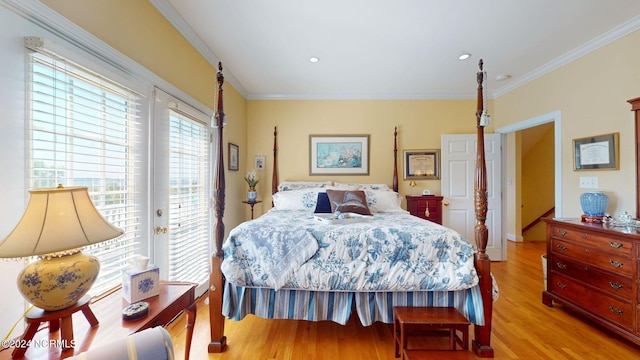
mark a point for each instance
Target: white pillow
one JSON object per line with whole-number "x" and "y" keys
{"x": 304, "y": 199}
{"x": 383, "y": 200}
{"x": 299, "y": 185}
{"x": 363, "y": 186}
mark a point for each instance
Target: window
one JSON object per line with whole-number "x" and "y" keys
{"x": 83, "y": 130}
{"x": 189, "y": 210}
{"x": 181, "y": 191}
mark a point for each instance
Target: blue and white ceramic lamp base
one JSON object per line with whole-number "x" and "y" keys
{"x": 594, "y": 205}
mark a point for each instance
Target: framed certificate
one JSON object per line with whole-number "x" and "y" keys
{"x": 421, "y": 164}
{"x": 596, "y": 152}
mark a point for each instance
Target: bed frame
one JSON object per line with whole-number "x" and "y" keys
{"x": 481, "y": 344}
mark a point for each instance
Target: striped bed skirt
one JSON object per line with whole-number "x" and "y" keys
{"x": 239, "y": 302}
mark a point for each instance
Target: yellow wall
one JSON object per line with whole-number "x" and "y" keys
{"x": 538, "y": 195}
{"x": 420, "y": 124}
{"x": 591, "y": 94}
{"x": 139, "y": 31}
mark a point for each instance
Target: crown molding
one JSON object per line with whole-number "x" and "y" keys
{"x": 582, "y": 50}
{"x": 170, "y": 13}
{"x": 64, "y": 29}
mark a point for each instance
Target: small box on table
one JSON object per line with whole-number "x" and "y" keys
{"x": 140, "y": 284}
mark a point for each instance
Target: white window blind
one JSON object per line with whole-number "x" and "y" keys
{"x": 83, "y": 130}
{"x": 189, "y": 189}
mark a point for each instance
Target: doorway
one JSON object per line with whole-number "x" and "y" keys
{"x": 514, "y": 217}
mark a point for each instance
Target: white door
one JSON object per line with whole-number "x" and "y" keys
{"x": 181, "y": 192}
{"x": 457, "y": 182}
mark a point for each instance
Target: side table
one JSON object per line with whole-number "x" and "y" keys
{"x": 174, "y": 298}
{"x": 252, "y": 204}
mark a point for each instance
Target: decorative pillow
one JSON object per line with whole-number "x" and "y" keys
{"x": 300, "y": 185}
{"x": 348, "y": 201}
{"x": 384, "y": 201}
{"x": 323, "y": 205}
{"x": 304, "y": 199}
{"x": 364, "y": 186}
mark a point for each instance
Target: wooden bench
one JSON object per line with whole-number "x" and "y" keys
{"x": 437, "y": 355}
{"x": 410, "y": 321}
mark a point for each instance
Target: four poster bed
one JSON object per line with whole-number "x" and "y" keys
{"x": 304, "y": 260}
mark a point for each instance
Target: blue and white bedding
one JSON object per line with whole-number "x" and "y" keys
{"x": 386, "y": 252}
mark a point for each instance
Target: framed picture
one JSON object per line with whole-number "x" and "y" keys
{"x": 260, "y": 162}
{"x": 421, "y": 164}
{"x": 596, "y": 152}
{"x": 233, "y": 157}
{"x": 339, "y": 154}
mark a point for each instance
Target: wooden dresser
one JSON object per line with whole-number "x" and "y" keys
{"x": 595, "y": 270}
{"x": 426, "y": 206}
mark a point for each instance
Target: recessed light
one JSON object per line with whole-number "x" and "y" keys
{"x": 501, "y": 77}
{"x": 464, "y": 56}
{"x": 314, "y": 59}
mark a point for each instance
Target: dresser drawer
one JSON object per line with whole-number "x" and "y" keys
{"x": 593, "y": 301}
{"x": 606, "y": 243}
{"x": 614, "y": 262}
{"x": 427, "y": 207}
{"x": 427, "y": 210}
{"x": 616, "y": 285}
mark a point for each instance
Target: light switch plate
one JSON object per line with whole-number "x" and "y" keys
{"x": 588, "y": 182}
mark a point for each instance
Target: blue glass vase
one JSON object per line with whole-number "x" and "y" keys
{"x": 594, "y": 203}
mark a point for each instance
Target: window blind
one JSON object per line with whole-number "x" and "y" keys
{"x": 83, "y": 130}
{"x": 189, "y": 194}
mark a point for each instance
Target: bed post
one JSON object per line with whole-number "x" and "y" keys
{"x": 216, "y": 279}
{"x": 482, "y": 340}
{"x": 274, "y": 177}
{"x": 395, "y": 159}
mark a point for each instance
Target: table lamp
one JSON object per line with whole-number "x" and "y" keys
{"x": 55, "y": 226}
{"x": 413, "y": 186}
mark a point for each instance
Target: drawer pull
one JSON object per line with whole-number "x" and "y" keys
{"x": 615, "y": 310}
{"x": 616, "y": 263}
{"x": 561, "y": 285}
{"x": 615, "y": 285}
{"x": 562, "y": 247}
{"x": 561, "y": 266}
{"x": 615, "y": 245}
{"x": 562, "y": 232}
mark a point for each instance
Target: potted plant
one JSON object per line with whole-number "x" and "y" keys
{"x": 252, "y": 180}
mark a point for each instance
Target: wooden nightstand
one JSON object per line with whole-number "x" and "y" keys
{"x": 174, "y": 298}
{"x": 426, "y": 206}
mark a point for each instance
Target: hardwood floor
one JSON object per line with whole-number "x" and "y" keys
{"x": 523, "y": 328}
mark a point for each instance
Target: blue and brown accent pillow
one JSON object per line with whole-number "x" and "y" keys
{"x": 348, "y": 201}
{"x": 323, "y": 206}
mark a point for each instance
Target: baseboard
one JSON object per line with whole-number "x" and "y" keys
{"x": 514, "y": 238}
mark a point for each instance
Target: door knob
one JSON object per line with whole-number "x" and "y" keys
{"x": 445, "y": 203}
{"x": 161, "y": 230}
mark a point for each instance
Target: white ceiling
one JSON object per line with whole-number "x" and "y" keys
{"x": 385, "y": 49}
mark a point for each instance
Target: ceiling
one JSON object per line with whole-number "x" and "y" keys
{"x": 382, "y": 49}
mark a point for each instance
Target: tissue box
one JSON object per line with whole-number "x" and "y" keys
{"x": 140, "y": 284}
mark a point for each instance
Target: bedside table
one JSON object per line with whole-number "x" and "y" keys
{"x": 427, "y": 207}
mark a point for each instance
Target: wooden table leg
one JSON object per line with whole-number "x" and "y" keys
{"x": 191, "y": 321}
{"x": 25, "y": 339}
{"x": 66, "y": 333}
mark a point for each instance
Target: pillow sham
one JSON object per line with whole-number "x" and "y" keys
{"x": 304, "y": 199}
{"x": 363, "y": 186}
{"x": 384, "y": 201}
{"x": 323, "y": 205}
{"x": 348, "y": 201}
{"x": 300, "y": 185}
